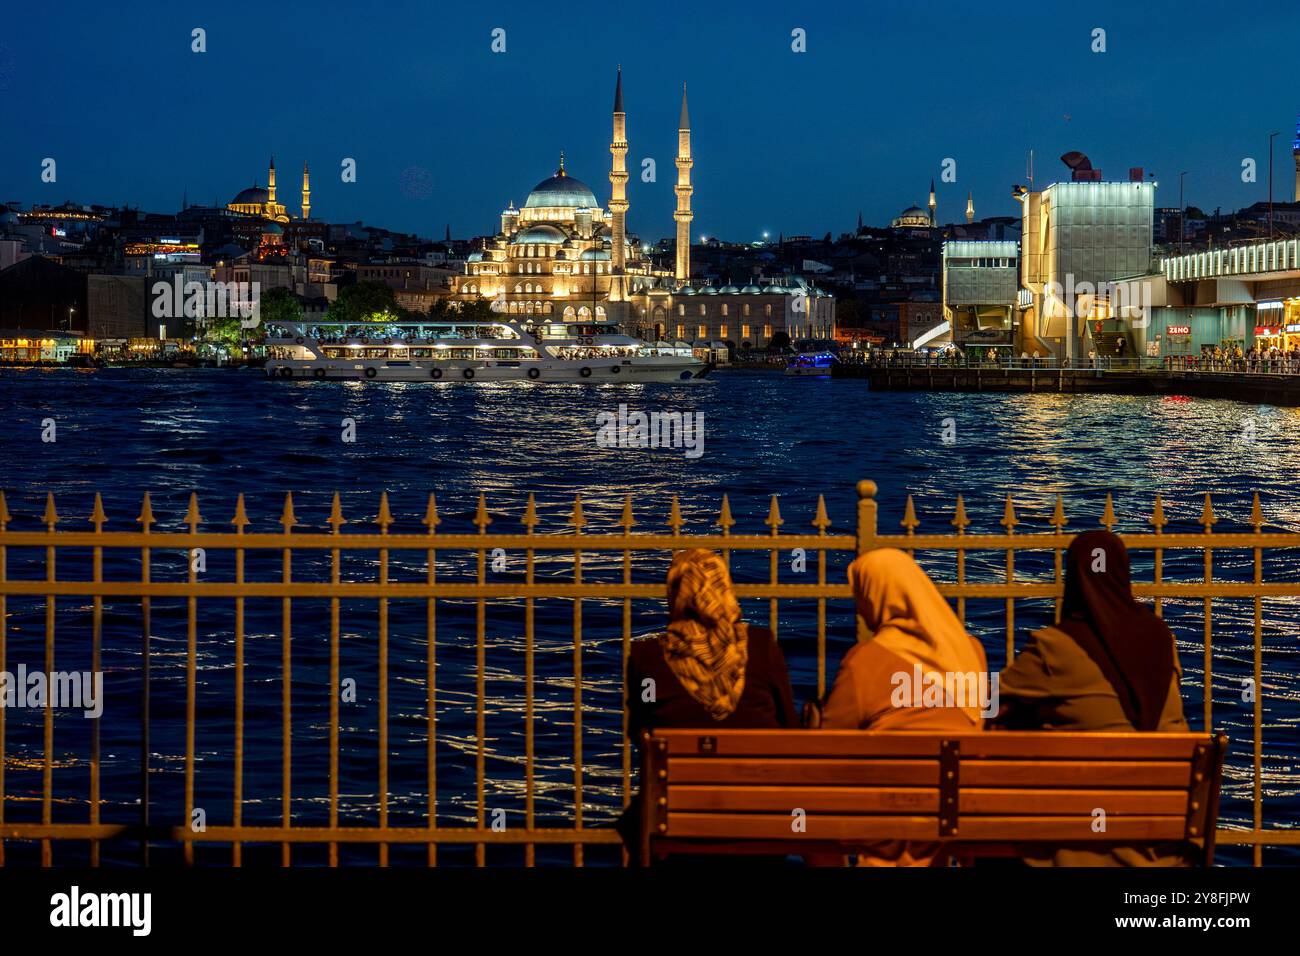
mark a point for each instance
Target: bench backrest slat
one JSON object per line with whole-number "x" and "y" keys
{"x": 714, "y": 788}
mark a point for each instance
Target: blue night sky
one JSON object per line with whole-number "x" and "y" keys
{"x": 784, "y": 142}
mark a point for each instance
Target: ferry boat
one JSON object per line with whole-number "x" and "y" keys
{"x": 810, "y": 363}
{"x": 482, "y": 351}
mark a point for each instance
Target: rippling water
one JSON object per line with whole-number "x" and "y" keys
{"x": 219, "y": 433}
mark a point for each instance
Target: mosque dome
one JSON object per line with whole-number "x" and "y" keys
{"x": 540, "y": 233}
{"x": 913, "y": 216}
{"x": 589, "y": 254}
{"x": 251, "y": 195}
{"x": 729, "y": 290}
{"x": 562, "y": 190}
{"x": 273, "y": 227}
{"x": 686, "y": 290}
{"x": 750, "y": 289}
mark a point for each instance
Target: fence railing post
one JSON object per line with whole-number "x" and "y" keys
{"x": 866, "y": 515}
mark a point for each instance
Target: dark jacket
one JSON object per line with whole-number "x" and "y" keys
{"x": 765, "y": 702}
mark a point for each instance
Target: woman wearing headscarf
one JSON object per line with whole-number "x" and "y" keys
{"x": 914, "y": 638}
{"x": 1109, "y": 664}
{"x": 708, "y": 668}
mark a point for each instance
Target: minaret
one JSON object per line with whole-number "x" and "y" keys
{"x": 970, "y": 207}
{"x": 683, "y": 214}
{"x": 932, "y": 204}
{"x": 618, "y": 195}
{"x": 270, "y": 184}
{"x": 306, "y": 193}
{"x": 1295, "y": 151}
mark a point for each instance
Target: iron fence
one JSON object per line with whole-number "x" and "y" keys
{"x": 412, "y": 580}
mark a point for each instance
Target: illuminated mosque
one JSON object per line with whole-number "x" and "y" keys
{"x": 260, "y": 201}
{"x": 561, "y": 254}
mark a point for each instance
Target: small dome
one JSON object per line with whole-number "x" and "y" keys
{"x": 708, "y": 290}
{"x": 729, "y": 290}
{"x": 251, "y": 195}
{"x": 590, "y": 254}
{"x": 540, "y": 233}
{"x": 273, "y": 227}
{"x": 773, "y": 290}
{"x": 750, "y": 289}
{"x": 686, "y": 290}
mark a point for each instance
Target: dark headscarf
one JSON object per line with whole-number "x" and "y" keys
{"x": 1133, "y": 647}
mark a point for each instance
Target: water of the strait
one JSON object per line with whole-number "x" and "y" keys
{"x": 219, "y": 433}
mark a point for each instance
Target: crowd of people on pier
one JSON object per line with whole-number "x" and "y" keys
{"x": 1108, "y": 664}
{"x": 1232, "y": 358}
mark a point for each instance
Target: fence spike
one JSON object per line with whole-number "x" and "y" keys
{"x": 385, "y": 517}
{"x": 240, "y": 521}
{"x": 1158, "y": 519}
{"x": 192, "y": 516}
{"x": 1058, "y": 516}
{"x": 578, "y": 520}
{"x": 909, "y": 521}
{"x": 97, "y": 516}
{"x": 1009, "y": 516}
{"x": 1207, "y": 514}
{"x": 774, "y": 516}
{"x": 725, "y": 521}
{"x": 336, "y": 514}
{"x": 1108, "y": 513}
{"x": 431, "y": 519}
{"x": 959, "y": 519}
{"x": 822, "y": 520}
{"x": 627, "y": 521}
{"x": 675, "y": 517}
{"x": 146, "y": 513}
{"x": 287, "y": 518}
{"x": 481, "y": 517}
{"x": 51, "y": 516}
{"x": 1256, "y": 514}
{"x": 529, "y": 519}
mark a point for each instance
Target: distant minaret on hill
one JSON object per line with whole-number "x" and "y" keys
{"x": 270, "y": 183}
{"x": 933, "y": 204}
{"x": 970, "y": 207}
{"x": 306, "y": 193}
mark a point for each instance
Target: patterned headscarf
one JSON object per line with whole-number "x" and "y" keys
{"x": 706, "y": 645}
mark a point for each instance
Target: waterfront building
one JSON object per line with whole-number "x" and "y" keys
{"x": 980, "y": 286}
{"x": 1245, "y": 295}
{"x": 1077, "y": 236}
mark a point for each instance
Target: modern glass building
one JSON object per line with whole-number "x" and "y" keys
{"x": 1077, "y": 238}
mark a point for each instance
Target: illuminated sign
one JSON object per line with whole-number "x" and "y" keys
{"x": 56, "y": 231}
{"x": 1295, "y": 327}
{"x": 1267, "y": 330}
{"x": 1178, "y": 329}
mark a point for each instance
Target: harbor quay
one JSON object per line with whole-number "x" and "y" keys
{"x": 1273, "y": 389}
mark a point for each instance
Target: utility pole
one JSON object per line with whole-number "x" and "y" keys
{"x": 1270, "y": 184}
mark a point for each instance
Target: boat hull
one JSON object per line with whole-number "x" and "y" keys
{"x": 594, "y": 371}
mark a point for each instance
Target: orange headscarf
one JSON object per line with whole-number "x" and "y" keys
{"x": 706, "y": 645}
{"x": 907, "y": 615}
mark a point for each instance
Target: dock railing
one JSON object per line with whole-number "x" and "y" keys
{"x": 52, "y": 791}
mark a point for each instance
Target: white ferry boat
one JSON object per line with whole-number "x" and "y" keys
{"x": 488, "y": 351}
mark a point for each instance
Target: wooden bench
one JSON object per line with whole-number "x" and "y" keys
{"x": 999, "y": 792}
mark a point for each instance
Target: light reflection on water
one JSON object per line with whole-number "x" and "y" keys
{"x": 219, "y": 433}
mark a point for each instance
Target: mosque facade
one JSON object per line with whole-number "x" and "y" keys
{"x": 562, "y": 257}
